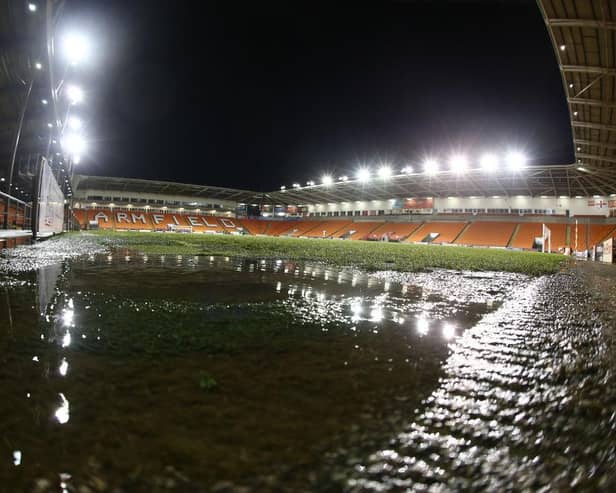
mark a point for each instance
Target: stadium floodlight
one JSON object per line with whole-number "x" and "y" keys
{"x": 283, "y": 187}
{"x": 74, "y": 144}
{"x": 38, "y": 65}
{"x": 76, "y": 159}
{"x": 327, "y": 180}
{"x": 74, "y": 94}
{"x": 430, "y": 167}
{"x": 44, "y": 101}
{"x": 458, "y": 163}
{"x": 74, "y": 123}
{"x": 384, "y": 172}
{"x": 310, "y": 183}
{"x": 344, "y": 178}
{"x": 488, "y": 162}
{"x": 363, "y": 174}
{"x": 516, "y": 160}
{"x": 407, "y": 170}
{"x": 32, "y": 7}
{"x": 296, "y": 185}
{"x": 76, "y": 48}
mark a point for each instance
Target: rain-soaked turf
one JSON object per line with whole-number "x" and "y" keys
{"x": 361, "y": 254}
{"x": 129, "y": 371}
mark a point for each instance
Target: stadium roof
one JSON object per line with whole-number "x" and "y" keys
{"x": 114, "y": 184}
{"x": 583, "y": 33}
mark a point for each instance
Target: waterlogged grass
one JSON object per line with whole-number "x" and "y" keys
{"x": 361, "y": 254}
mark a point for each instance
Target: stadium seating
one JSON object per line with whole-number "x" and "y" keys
{"x": 254, "y": 226}
{"x": 484, "y": 233}
{"x": 596, "y": 234}
{"x": 302, "y": 228}
{"x": 398, "y": 230}
{"x": 525, "y": 235}
{"x": 446, "y": 232}
{"x": 327, "y": 229}
{"x": 357, "y": 231}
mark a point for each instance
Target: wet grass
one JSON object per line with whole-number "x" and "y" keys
{"x": 370, "y": 256}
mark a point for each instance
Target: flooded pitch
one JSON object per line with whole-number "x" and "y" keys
{"x": 124, "y": 372}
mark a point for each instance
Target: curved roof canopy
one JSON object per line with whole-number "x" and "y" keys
{"x": 583, "y": 33}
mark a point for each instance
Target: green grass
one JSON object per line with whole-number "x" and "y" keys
{"x": 364, "y": 255}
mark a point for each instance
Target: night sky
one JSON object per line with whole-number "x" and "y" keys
{"x": 261, "y": 94}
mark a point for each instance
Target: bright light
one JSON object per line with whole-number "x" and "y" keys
{"x": 62, "y": 414}
{"x": 407, "y": 170}
{"x": 77, "y": 159}
{"x": 458, "y": 163}
{"x": 283, "y": 187}
{"x": 74, "y": 94}
{"x": 430, "y": 167}
{"x": 32, "y": 7}
{"x": 44, "y": 101}
{"x": 296, "y": 185}
{"x": 562, "y": 47}
{"x": 489, "y": 162}
{"x": 363, "y": 174}
{"x": 327, "y": 180}
{"x": 76, "y": 48}
{"x": 384, "y": 172}
{"x": 38, "y": 65}
{"x": 516, "y": 160}
{"x": 74, "y": 123}
{"x": 74, "y": 144}
{"x": 310, "y": 183}
{"x": 344, "y": 178}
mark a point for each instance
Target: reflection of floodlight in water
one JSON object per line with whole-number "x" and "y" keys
{"x": 449, "y": 331}
{"x": 422, "y": 326}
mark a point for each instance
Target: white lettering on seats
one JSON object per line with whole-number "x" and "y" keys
{"x": 215, "y": 225}
{"x": 227, "y": 223}
{"x": 158, "y": 218}
{"x": 141, "y": 217}
{"x": 194, "y": 221}
{"x": 101, "y": 215}
{"x": 175, "y": 220}
{"x": 121, "y": 216}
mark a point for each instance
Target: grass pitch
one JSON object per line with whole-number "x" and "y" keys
{"x": 364, "y": 255}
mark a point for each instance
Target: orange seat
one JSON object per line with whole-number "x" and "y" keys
{"x": 446, "y": 231}
{"x": 484, "y": 233}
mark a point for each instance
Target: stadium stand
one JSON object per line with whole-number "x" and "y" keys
{"x": 302, "y": 228}
{"x": 480, "y": 233}
{"x": 357, "y": 231}
{"x": 524, "y": 236}
{"x": 254, "y": 226}
{"x": 590, "y": 235}
{"x": 437, "y": 232}
{"x": 328, "y": 229}
{"x": 396, "y": 230}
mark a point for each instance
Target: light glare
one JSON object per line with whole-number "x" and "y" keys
{"x": 363, "y": 174}
{"x": 74, "y": 94}
{"x": 76, "y": 48}
{"x": 516, "y": 160}
{"x": 327, "y": 180}
{"x": 489, "y": 162}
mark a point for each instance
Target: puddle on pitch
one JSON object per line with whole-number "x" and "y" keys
{"x": 156, "y": 373}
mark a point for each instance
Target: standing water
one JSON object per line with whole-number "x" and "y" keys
{"x": 124, "y": 372}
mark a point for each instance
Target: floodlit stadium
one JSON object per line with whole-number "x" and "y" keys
{"x": 437, "y": 323}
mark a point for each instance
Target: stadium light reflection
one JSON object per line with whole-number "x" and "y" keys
{"x": 74, "y": 123}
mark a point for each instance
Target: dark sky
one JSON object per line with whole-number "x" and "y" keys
{"x": 260, "y": 94}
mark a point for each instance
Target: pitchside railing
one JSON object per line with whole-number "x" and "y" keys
{"x": 15, "y": 214}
